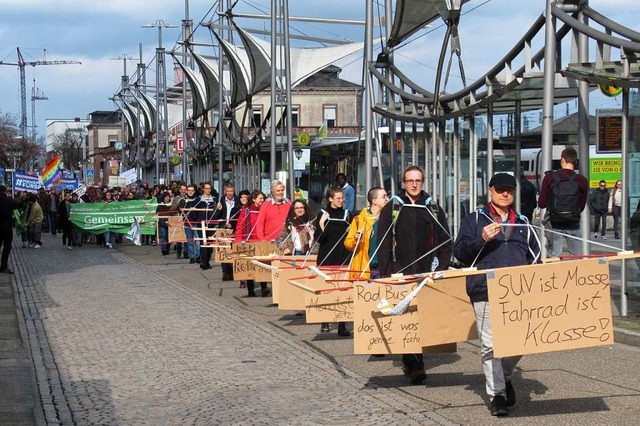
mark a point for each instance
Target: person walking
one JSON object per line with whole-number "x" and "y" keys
{"x": 599, "y": 202}
{"x": 273, "y": 213}
{"x": 7, "y": 206}
{"x": 245, "y": 231}
{"x": 64, "y": 213}
{"x": 564, "y": 194}
{"x": 331, "y": 227}
{"x": 192, "y": 246}
{"x": 348, "y": 191}
{"x": 495, "y": 237}
{"x": 205, "y": 211}
{"x": 227, "y": 215}
{"x": 34, "y": 222}
{"x": 362, "y": 236}
{"x": 413, "y": 237}
{"x": 615, "y": 207}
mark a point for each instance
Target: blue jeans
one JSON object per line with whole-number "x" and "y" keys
{"x": 191, "y": 247}
{"x": 163, "y": 232}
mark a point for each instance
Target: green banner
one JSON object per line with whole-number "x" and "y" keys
{"x": 117, "y": 217}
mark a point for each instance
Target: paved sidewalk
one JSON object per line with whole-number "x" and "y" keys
{"x": 117, "y": 342}
{"x": 128, "y": 336}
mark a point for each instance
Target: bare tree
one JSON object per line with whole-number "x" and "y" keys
{"x": 69, "y": 146}
{"x": 30, "y": 151}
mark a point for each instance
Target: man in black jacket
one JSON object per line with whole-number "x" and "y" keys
{"x": 495, "y": 237}
{"x": 7, "y": 206}
{"x": 599, "y": 203}
{"x": 409, "y": 228}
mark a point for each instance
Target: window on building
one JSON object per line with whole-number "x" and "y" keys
{"x": 256, "y": 111}
{"x": 112, "y": 140}
{"x": 330, "y": 112}
{"x": 295, "y": 116}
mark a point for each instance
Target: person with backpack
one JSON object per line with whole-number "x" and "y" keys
{"x": 564, "y": 194}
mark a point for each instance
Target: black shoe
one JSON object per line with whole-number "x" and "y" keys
{"x": 251, "y": 293}
{"x": 165, "y": 253}
{"x": 203, "y": 266}
{"x": 325, "y": 328}
{"x": 192, "y": 261}
{"x": 198, "y": 259}
{"x": 185, "y": 256}
{"x": 178, "y": 255}
{"x": 226, "y": 277}
{"x": 417, "y": 376}
{"x": 265, "y": 292}
{"x": 499, "y": 406}
{"x": 6, "y": 271}
{"x": 511, "y": 394}
{"x": 344, "y": 333}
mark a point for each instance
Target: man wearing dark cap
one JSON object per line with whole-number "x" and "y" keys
{"x": 7, "y": 206}
{"x": 495, "y": 237}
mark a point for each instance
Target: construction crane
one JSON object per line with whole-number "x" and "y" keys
{"x": 23, "y": 85}
{"x": 36, "y": 95}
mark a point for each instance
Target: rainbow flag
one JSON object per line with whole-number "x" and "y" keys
{"x": 52, "y": 172}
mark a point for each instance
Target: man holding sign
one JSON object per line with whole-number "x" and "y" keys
{"x": 494, "y": 237}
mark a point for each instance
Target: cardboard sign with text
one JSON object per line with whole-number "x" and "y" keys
{"x": 375, "y": 333}
{"x": 550, "y": 307}
{"x": 221, "y": 246}
{"x": 445, "y": 312}
{"x": 242, "y": 255}
{"x": 176, "y": 230}
{"x": 329, "y": 306}
{"x": 289, "y": 263}
{"x": 290, "y": 297}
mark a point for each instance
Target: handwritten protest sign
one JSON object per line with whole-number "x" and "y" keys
{"x": 550, "y": 307}
{"x": 242, "y": 255}
{"x": 328, "y": 306}
{"x": 291, "y": 262}
{"x": 375, "y": 333}
{"x": 446, "y": 315}
{"x": 221, "y": 247}
{"x": 176, "y": 230}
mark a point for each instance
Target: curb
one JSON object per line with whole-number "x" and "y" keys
{"x": 626, "y": 337}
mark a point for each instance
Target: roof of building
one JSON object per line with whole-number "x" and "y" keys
{"x": 328, "y": 77}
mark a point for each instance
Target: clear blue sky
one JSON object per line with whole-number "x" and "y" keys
{"x": 96, "y": 32}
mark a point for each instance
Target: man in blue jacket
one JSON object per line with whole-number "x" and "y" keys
{"x": 495, "y": 236}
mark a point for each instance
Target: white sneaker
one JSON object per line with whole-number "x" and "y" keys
{"x": 595, "y": 235}
{"x": 604, "y": 237}
{"x": 69, "y": 247}
{"x": 108, "y": 245}
{"x": 36, "y": 246}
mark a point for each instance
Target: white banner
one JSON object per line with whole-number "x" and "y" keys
{"x": 130, "y": 176}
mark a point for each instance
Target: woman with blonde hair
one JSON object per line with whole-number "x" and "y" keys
{"x": 615, "y": 207}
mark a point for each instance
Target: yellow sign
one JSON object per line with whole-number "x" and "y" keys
{"x": 304, "y": 139}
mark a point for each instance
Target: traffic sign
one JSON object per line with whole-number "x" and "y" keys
{"x": 304, "y": 139}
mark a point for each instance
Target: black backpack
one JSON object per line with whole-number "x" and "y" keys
{"x": 564, "y": 201}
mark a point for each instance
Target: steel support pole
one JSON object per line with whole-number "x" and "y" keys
{"x": 489, "y": 139}
{"x": 583, "y": 131}
{"x": 624, "y": 294}
{"x": 433, "y": 171}
{"x": 287, "y": 66}
{"x": 368, "y": 100}
{"x": 548, "y": 95}
{"x": 473, "y": 165}
{"x": 274, "y": 88}
{"x": 456, "y": 176}
{"x": 187, "y": 25}
{"x": 518, "y": 134}
{"x": 159, "y": 53}
{"x": 442, "y": 161}
{"x": 221, "y": 107}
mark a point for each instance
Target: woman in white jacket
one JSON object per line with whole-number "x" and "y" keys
{"x": 615, "y": 207}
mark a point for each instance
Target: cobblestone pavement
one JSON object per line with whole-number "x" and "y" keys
{"x": 117, "y": 342}
{"x": 129, "y": 336}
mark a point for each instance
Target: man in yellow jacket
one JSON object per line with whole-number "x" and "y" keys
{"x": 361, "y": 239}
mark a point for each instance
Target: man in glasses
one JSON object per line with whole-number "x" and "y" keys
{"x": 409, "y": 228}
{"x": 599, "y": 202}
